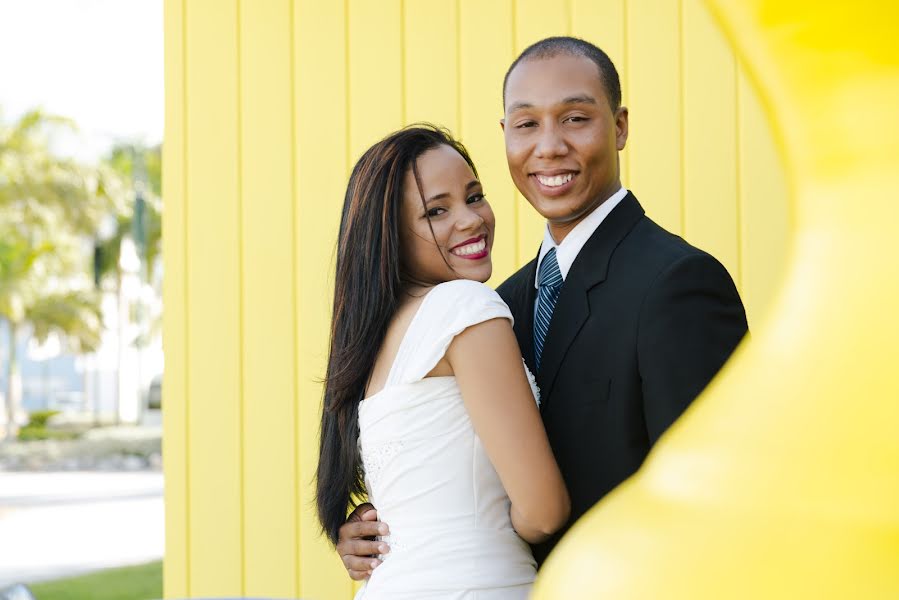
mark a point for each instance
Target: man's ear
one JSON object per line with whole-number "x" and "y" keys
{"x": 621, "y": 127}
{"x": 502, "y": 124}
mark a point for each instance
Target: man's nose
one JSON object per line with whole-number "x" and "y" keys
{"x": 551, "y": 143}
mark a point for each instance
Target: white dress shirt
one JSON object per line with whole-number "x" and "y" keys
{"x": 568, "y": 250}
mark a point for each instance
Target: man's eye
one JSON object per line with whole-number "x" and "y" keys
{"x": 476, "y": 198}
{"x": 577, "y": 119}
{"x": 526, "y": 124}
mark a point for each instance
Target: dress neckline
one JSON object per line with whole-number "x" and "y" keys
{"x": 388, "y": 382}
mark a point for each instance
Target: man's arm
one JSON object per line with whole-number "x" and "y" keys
{"x": 356, "y": 544}
{"x": 691, "y": 321}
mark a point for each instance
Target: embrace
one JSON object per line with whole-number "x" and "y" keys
{"x": 481, "y": 424}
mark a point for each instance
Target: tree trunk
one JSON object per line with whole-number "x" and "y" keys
{"x": 120, "y": 347}
{"x": 13, "y": 384}
{"x": 4, "y": 410}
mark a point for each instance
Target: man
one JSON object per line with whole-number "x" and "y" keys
{"x": 622, "y": 322}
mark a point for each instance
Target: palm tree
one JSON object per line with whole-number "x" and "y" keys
{"x": 142, "y": 224}
{"x": 142, "y": 166}
{"x": 46, "y": 189}
{"x": 30, "y": 295}
{"x": 49, "y": 206}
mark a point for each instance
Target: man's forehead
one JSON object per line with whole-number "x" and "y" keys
{"x": 553, "y": 80}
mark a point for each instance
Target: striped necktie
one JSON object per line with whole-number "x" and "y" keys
{"x": 549, "y": 283}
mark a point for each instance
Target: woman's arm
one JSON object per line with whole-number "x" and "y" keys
{"x": 486, "y": 361}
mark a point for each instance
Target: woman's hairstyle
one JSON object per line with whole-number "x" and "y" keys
{"x": 367, "y": 289}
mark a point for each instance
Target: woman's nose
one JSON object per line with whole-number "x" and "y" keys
{"x": 470, "y": 220}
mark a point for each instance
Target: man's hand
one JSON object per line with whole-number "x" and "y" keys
{"x": 356, "y": 544}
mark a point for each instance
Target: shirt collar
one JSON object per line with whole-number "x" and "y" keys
{"x": 568, "y": 250}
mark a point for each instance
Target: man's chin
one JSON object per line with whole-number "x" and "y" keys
{"x": 558, "y": 211}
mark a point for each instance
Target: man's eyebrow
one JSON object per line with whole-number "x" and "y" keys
{"x": 579, "y": 99}
{"x": 471, "y": 184}
{"x": 519, "y": 105}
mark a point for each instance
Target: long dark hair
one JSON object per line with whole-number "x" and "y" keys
{"x": 367, "y": 289}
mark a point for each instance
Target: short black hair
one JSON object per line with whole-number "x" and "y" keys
{"x": 564, "y": 45}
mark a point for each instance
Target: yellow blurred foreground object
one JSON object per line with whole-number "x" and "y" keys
{"x": 782, "y": 481}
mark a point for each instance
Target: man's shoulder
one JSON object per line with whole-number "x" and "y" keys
{"x": 656, "y": 255}
{"x": 653, "y": 243}
{"x": 515, "y": 285}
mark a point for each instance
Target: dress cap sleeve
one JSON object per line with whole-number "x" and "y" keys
{"x": 449, "y": 309}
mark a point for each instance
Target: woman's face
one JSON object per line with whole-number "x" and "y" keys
{"x": 462, "y": 220}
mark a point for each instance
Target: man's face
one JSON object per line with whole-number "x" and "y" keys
{"x": 562, "y": 138}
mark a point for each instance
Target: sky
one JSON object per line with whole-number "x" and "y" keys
{"x": 98, "y": 62}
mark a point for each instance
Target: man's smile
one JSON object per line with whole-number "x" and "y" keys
{"x": 554, "y": 182}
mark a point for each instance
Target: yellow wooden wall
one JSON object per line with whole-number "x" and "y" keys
{"x": 268, "y": 104}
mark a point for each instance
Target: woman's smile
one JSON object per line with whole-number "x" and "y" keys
{"x": 473, "y": 249}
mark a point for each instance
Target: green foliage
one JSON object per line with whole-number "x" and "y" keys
{"x": 37, "y": 428}
{"x": 31, "y": 434}
{"x": 142, "y": 582}
{"x": 75, "y": 313}
{"x": 38, "y": 188}
{"x": 39, "y": 418}
{"x": 136, "y": 161}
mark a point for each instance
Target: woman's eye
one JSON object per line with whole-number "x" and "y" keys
{"x": 436, "y": 211}
{"x": 476, "y": 198}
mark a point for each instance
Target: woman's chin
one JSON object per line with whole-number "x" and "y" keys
{"x": 481, "y": 274}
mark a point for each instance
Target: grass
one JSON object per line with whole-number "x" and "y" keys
{"x": 141, "y": 582}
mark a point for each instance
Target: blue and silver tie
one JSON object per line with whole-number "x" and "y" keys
{"x": 549, "y": 283}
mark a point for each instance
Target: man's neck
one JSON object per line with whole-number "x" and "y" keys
{"x": 560, "y": 230}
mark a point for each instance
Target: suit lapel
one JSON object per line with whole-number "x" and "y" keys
{"x": 588, "y": 270}
{"x": 524, "y": 315}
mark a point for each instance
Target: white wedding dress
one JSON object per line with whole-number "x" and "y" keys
{"x": 428, "y": 475}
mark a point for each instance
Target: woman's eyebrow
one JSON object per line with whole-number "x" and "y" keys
{"x": 471, "y": 184}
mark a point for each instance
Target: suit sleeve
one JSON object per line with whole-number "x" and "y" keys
{"x": 691, "y": 321}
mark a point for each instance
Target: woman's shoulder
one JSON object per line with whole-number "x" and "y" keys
{"x": 465, "y": 288}
{"x": 462, "y": 302}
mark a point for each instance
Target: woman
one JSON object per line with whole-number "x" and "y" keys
{"x": 428, "y": 407}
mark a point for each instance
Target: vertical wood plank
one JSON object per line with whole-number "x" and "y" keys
{"x": 602, "y": 24}
{"x": 377, "y": 85}
{"x": 431, "y": 62}
{"x": 654, "y": 81}
{"x": 765, "y": 220}
{"x": 710, "y": 151}
{"x": 534, "y": 22}
{"x": 486, "y": 51}
{"x": 321, "y": 99}
{"x": 175, "y": 445}
{"x": 213, "y": 231}
{"x": 268, "y": 289}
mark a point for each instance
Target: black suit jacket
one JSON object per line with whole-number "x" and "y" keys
{"x": 643, "y": 322}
